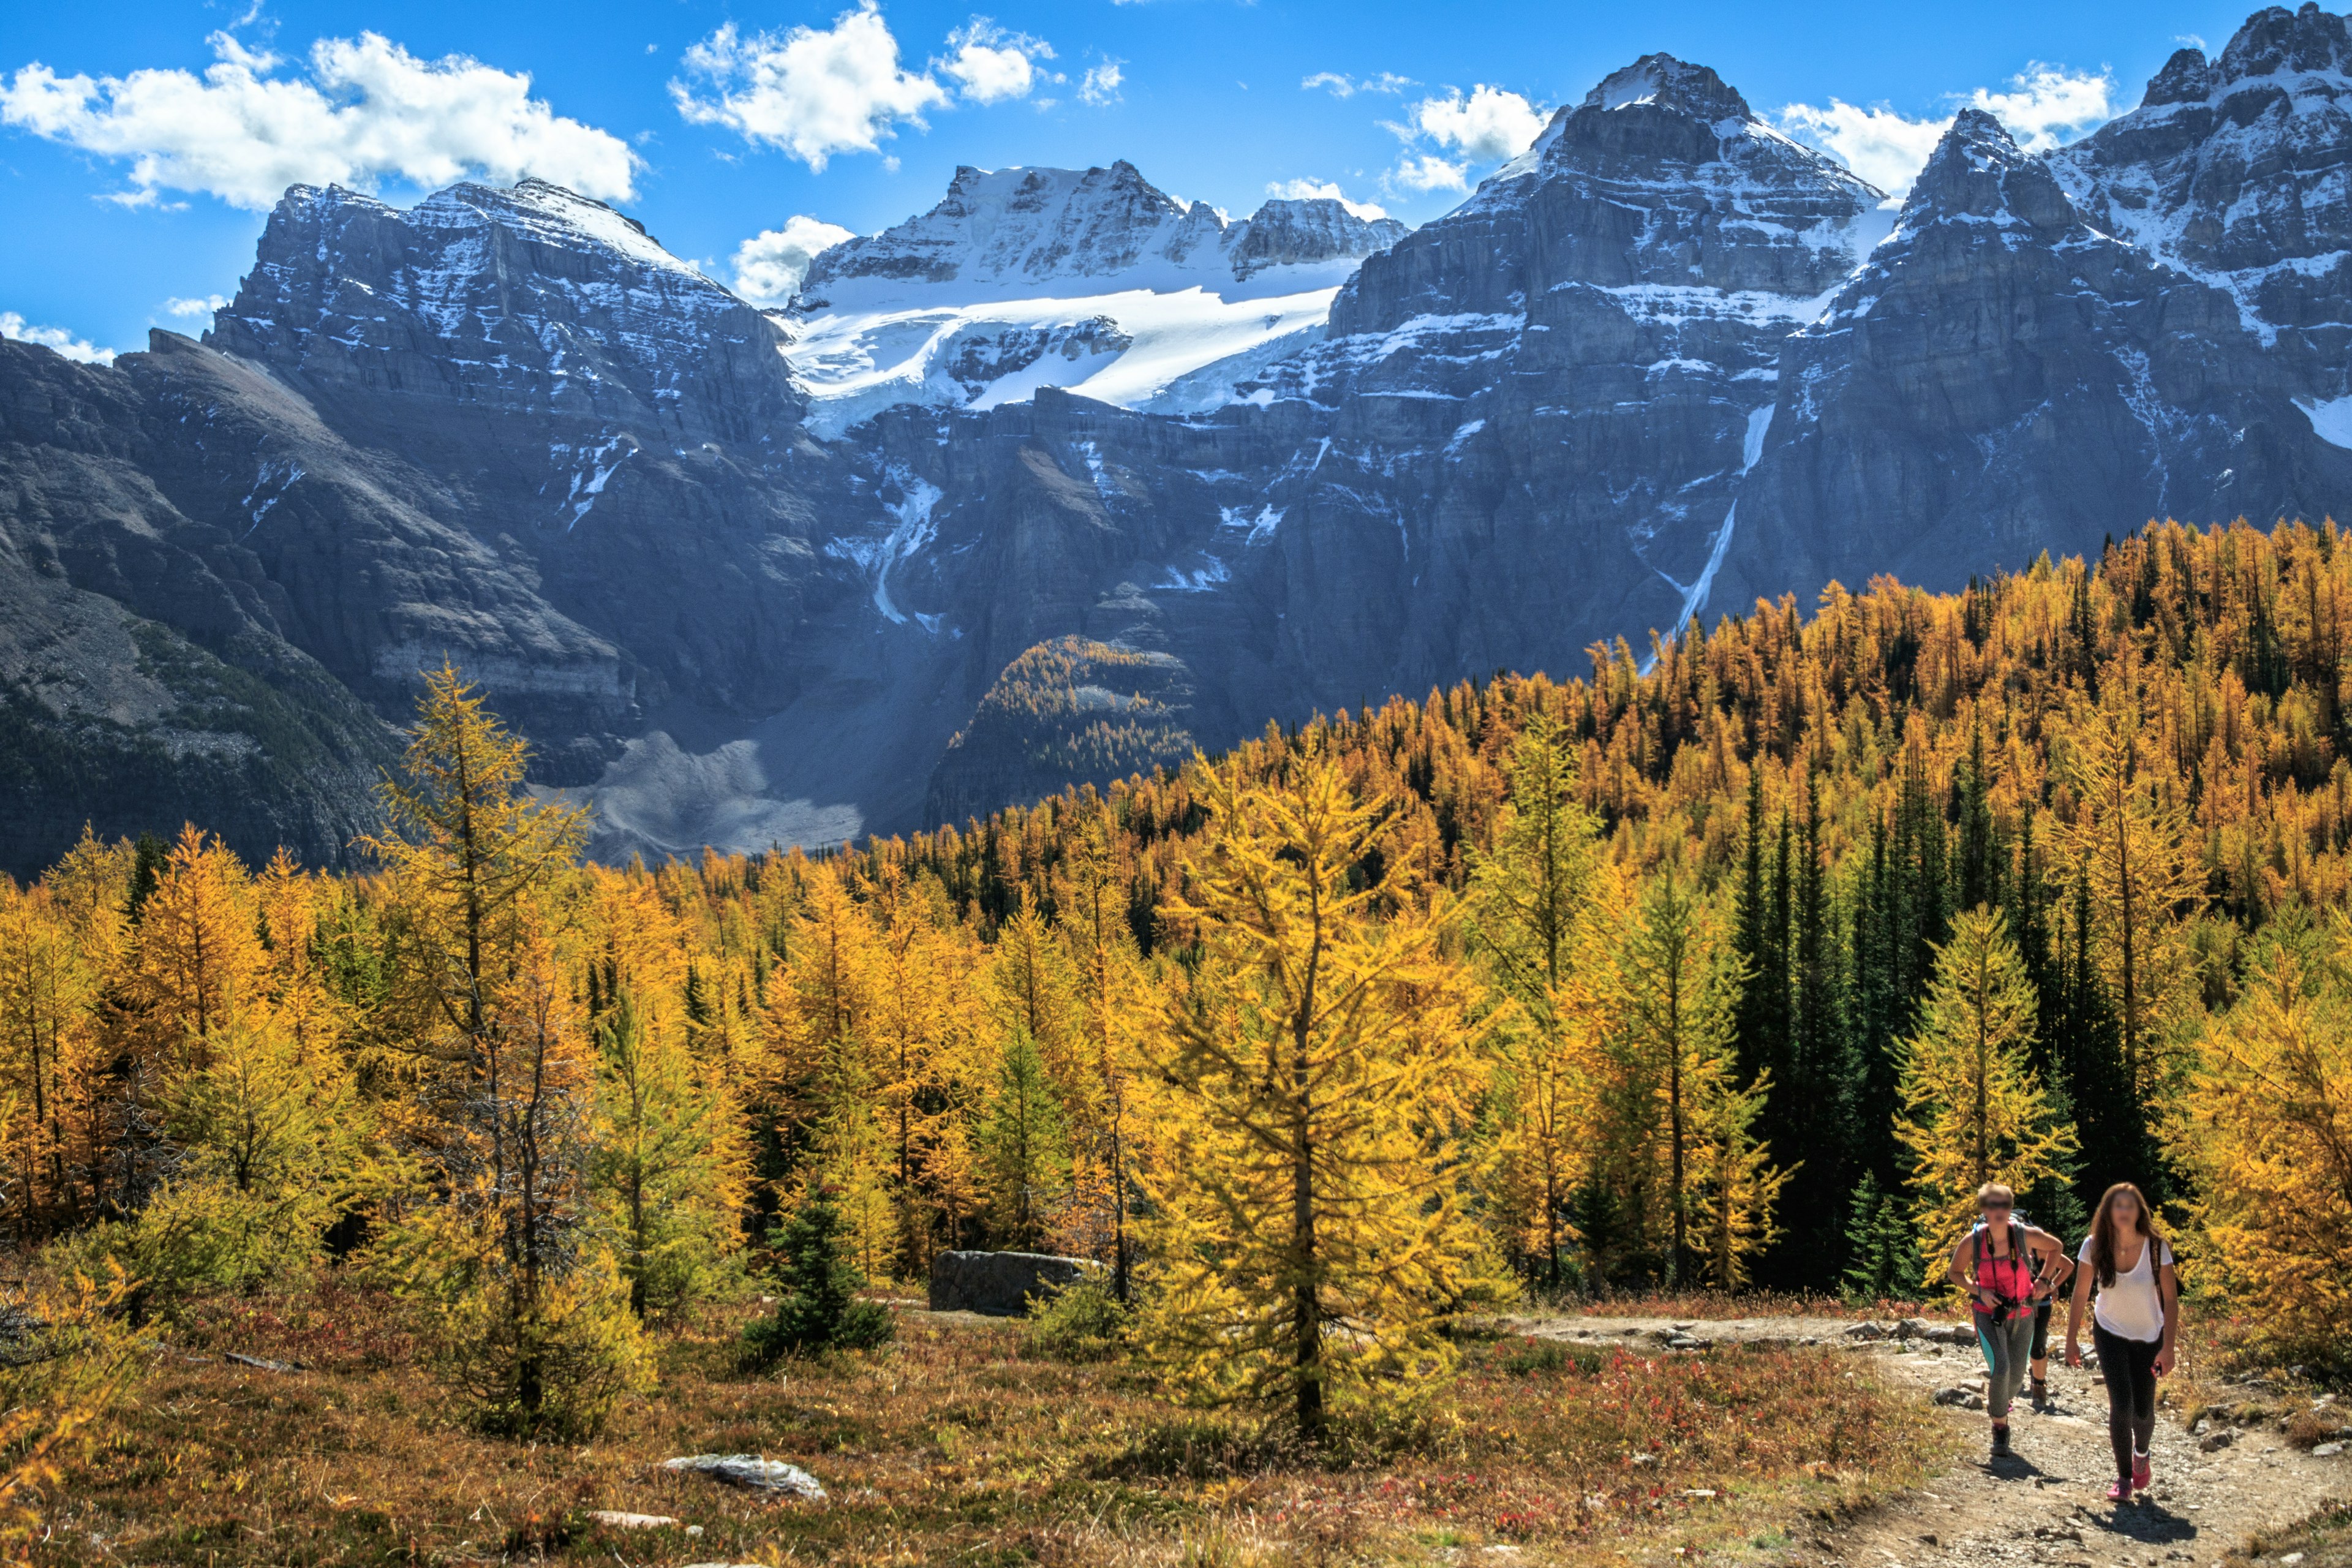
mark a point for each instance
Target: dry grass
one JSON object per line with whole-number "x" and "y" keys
{"x": 2325, "y": 1539}
{"x": 954, "y": 1446}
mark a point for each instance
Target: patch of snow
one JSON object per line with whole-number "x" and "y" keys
{"x": 1201, "y": 579}
{"x": 912, "y": 529}
{"x": 588, "y": 483}
{"x": 1255, "y": 529}
{"x": 2331, "y": 421}
{"x": 1752, "y": 445}
{"x": 856, "y": 362}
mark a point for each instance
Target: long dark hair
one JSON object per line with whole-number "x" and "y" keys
{"x": 2102, "y": 1230}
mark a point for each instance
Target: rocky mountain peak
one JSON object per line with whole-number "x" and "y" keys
{"x": 2185, "y": 79}
{"x": 1294, "y": 231}
{"x": 1669, "y": 83}
{"x": 1977, "y": 173}
{"x": 2276, "y": 42}
{"x": 533, "y": 297}
{"x": 1017, "y": 227}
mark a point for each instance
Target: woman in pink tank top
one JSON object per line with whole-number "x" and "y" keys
{"x": 1999, "y": 1264}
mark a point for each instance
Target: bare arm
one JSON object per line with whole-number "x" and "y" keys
{"x": 2075, "y": 1307}
{"x": 1958, "y": 1271}
{"x": 2167, "y": 1291}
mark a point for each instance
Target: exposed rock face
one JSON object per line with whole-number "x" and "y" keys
{"x": 1531, "y": 414}
{"x": 1665, "y": 361}
{"x": 2108, "y": 389}
{"x": 144, "y": 678}
{"x": 1000, "y": 1284}
{"x": 2232, "y": 172}
{"x": 532, "y": 301}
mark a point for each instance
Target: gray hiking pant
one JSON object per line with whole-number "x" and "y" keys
{"x": 2007, "y": 1350}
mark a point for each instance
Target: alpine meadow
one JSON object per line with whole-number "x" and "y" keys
{"x": 1725, "y": 975}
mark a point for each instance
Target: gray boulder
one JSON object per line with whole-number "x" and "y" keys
{"x": 1000, "y": 1284}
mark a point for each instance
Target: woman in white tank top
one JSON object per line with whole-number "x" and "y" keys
{"x": 2136, "y": 1324}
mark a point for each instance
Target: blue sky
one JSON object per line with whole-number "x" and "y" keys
{"x": 714, "y": 122}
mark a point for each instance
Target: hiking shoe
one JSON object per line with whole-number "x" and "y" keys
{"x": 2118, "y": 1490}
{"x": 2142, "y": 1477}
{"x": 2040, "y": 1395}
{"x": 2000, "y": 1442}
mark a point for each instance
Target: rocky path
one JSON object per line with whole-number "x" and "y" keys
{"x": 2047, "y": 1504}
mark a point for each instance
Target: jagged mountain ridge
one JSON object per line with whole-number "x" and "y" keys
{"x": 1665, "y": 360}
{"x": 1091, "y": 279}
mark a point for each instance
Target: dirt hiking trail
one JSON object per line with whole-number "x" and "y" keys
{"x": 2047, "y": 1503}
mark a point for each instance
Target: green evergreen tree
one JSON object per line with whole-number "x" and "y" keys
{"x": 817, "y": 1304}
{"x": 1024, "y": 1145}
{"x": 1882, "y": 1263}
{"x": 1808, "y": 1121}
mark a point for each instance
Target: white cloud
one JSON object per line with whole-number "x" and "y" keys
{"x": 769, "y": 266}
{"x": 812, "y": 94}
{"x": 1324, "y": 190}
{"x": 1100, "y": 85}
{"x": 367, "y": 112}
{"x": 1490, "y": 124}
{"x": 176, "y": 306}
{"x": 2047, "y": 104}
{"x": 13, "y": 325}
{"x": 2044, "y": 107}
{"x": 1427, "y": 173}
{"x": 1881, "y": 146}
{"x": 992, "y": 64}
{"x": 1339, "y": 86}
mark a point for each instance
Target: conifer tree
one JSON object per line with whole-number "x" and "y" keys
{"x": 2130, "y": 841}
{"x": 1974, "y": 1110}
{"x": 1679, "y": 982}
{"x": 1739, "y": 1186}
{"x": 2267, "y": 1132}
{"x": 493, "y": 1232}
{"x": 1111, "y": 994}
{"x": 1313, "y": 1242}
{"x": 1024, "y": 1145}
{"x": 1882, "y": 1261}
{"x": 667, "y": 1164}
{"x": 817, "y": 1307}
{"x": 1528, "y": 898}
{"x": 48, "y": 988}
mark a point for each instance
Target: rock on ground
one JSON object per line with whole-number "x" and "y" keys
{"x": 751, "y": 1470}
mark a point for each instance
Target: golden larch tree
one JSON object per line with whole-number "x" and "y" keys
{"x": 2267, "y": 1133}
{"x": 1311, "y": 1237}
{"x": 1974, "y": 1111}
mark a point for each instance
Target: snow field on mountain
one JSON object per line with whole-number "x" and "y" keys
{"x": 856, "y": 363}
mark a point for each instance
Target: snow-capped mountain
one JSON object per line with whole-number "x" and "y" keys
{"x": 1066, "y": 475}
{"x": 1090, "y": 279}
{"x": 2233, "y": 172}
{"x": 532, "y": 299}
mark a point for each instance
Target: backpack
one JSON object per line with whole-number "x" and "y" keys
{"x": 2018, "y": 1250}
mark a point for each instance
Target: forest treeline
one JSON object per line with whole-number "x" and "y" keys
{"x": 1743, "y": 962}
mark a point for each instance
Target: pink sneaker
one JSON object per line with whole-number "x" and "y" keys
{"x": 2118, "y": 1491}
{"x": 2142, "y": 1477}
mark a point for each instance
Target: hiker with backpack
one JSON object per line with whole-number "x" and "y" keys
{"x": 2136, "y": 1325}
{"x": 1995, "y": 1263}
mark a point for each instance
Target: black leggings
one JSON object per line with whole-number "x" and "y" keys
{"x": 2129, "y": 1368}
